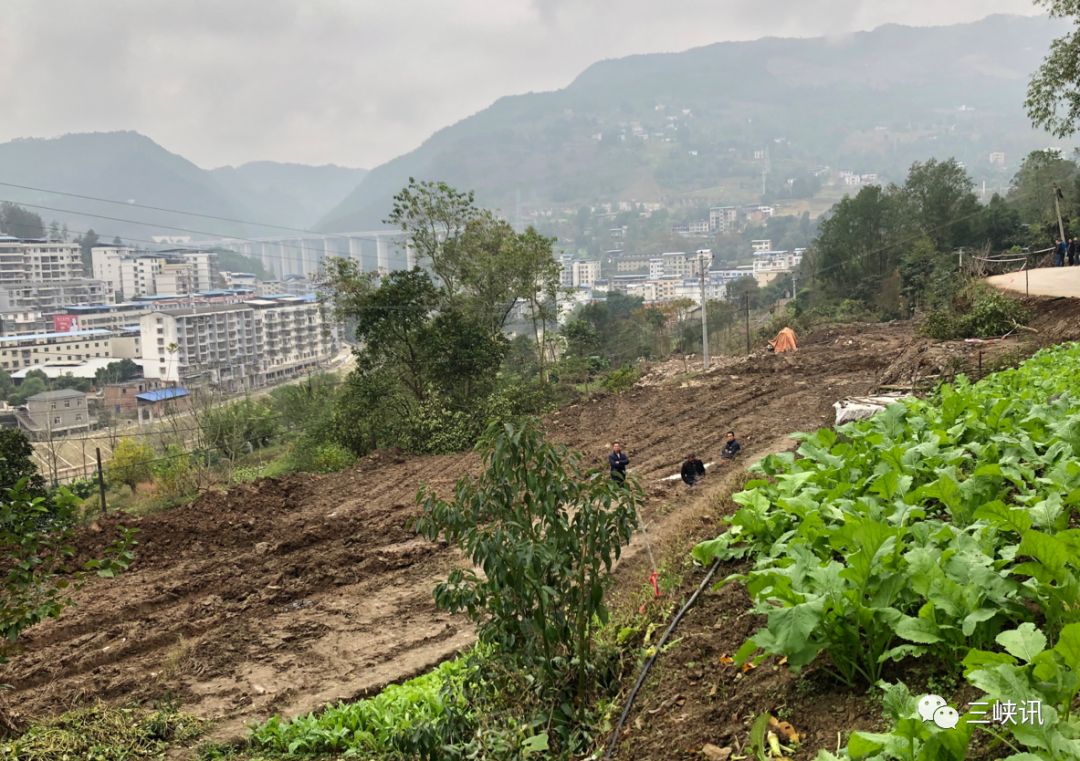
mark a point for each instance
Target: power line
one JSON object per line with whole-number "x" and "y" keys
{"x": 165, "y": 209}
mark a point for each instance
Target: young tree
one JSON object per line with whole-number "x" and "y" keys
{"x": 545, "y": 531}
{"x": 35, "y": 538}
{"x": 940, "y": 196}
{"x": 130, "y": 463}
{"x": 117, "y": 372}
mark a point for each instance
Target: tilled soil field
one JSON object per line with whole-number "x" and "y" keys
{"x": 280, "y": 596}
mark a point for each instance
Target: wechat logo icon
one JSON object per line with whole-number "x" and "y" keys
{"x": 934, "y": 708}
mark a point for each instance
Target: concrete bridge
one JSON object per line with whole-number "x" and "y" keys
{"x": 375, "y": 251}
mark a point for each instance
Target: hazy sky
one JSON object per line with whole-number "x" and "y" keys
{"x": 355, "y": 82}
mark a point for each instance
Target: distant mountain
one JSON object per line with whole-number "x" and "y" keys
{"x": 699, "y": 123}
{"x": 292, "y": 195}
{"x": 132, "y": 168}
{"x": 122, "y": 166}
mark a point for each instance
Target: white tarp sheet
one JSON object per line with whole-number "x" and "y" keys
{"x": 862, "y": 407}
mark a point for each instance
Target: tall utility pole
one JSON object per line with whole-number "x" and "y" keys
{"x": 1057, "y": 208}
{"x": 746, "y": 302}
{"x": 702, "y": 266}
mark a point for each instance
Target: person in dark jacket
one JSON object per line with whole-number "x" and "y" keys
{"x": 692, "y": 470}
{"x": 731, "y": 447}
{"x": 1074, "y": 254}
{"x": 618, "y": 461}
{"x": 1060, "y": 247}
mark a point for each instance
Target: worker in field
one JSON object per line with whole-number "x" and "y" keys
{"x": 692, "y": 470}
{"x": 731, "y": 447}
{"x": 1074, "y": 253}
{"x": 618, "y": 461}
{"x": 1060, "y": 248}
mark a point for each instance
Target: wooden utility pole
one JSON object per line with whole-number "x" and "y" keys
{"x": 1057, "y": 209}
{"x": 100, "y": 479}
{"x": 704, "y": 315}
{"x": 746, "y": 303}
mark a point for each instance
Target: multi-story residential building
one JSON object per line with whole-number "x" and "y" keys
{"x": 22, "y": 321}
{"x": 175, "y": 278}
{"x": 100, "y": 316}
{"x": 723, "y": 219}
{"x": 52, "y": 297}
{"x": 758, "y": 246}
{"x": 18, "y": 352}
{"x": 235, "y": 346}
{"x": 625, "y": 264}
{"x": 134, "y": 273}
{"x": 566, "y": 270}
{"x": 245, "y": 279}
{"x": 203, "y": 269}
{"x": 656, "y": 268}
{"x": 55, "y": 413}
{"x": 106, "y": 264}
{"x": 585, "y": 274}
{"x": 768, "y": 265}
{"x": 681, "y": 264}
{"x": 38, "y": 260}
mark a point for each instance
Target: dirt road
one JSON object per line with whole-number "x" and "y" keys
{"x": 280, "y": 596}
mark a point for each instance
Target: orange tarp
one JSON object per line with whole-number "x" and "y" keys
{"x": 784, "y": 341}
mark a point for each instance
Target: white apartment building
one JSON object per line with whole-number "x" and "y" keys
{"x": 105, "y": 263}
{"x": 236, "y": 346}
{"x": 760, "y": 246}
{"x": 22, "y": 322}
{"x": 38, "y": 260}
{"x": 52, "y": 297}
{"x": 18, "y": 352}
{"x": 656, "y": 268}
{"x": 585, "y": 274}
{"x": 768, "y": 265}
{"x": 681, "y": 264}
{"x": 723, "y": 219}
{"x": 175, "y": 278}
{"x": 203, "y": 267}
{"x": 240, "y": 279}
{"x": 133, "y": 274}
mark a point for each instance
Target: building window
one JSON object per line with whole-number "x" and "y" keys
{"x": 67, "y": 403}
{"x": 78, "y": 417}
{"x": 56, "y": 421}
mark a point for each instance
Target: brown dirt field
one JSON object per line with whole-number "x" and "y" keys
{"x": 281, "y": 596}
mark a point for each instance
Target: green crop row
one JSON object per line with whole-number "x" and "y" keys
{"x": 932, "y": 529}
{"x": 407, "y": 721}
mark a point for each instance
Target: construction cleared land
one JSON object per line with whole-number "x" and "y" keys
{"x": 282, "y": 595}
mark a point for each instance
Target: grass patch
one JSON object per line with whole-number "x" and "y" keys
{"x": 103, "y": 733}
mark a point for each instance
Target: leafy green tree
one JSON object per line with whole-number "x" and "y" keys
{"x": 1053, "y": 97}
{"x": 742, "y": 288}
{"x": 35, "y": 538}
{"x": 7, "y": 385}
{"x": 1032, "y": 194}
{"x": 30, "y": 386}
{"x": 545, "y": 531}
{"x": 941, "y": 198}
{"x": 70, "y": 381}
{"x": 236, "y": 428}
{"x": 117, "y": 372}
{"x": 1000, "y": 225}
{"x": 434, "y": 216}
{"x": 857, "y": 246}
{"x": 17, "y": 463}
{"x": 131, "y": 463}
{"x": 86, "y": 242}
{"x": 19, "y": 222}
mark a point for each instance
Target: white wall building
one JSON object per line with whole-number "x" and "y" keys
{"x": 237, "y": 346}
{"x": 585, "y": 274}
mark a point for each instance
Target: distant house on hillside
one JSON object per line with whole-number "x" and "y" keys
{"x": 153, "y": 405}
{"x": 55, "y": 413}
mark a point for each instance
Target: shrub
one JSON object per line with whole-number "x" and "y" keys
{"x": 620, "y": 380}
{"x": 979, "y": 311}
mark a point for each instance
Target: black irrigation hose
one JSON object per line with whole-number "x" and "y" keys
{"x": 652, "y": 658}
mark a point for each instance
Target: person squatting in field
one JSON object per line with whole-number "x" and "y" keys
{"x": 731, "y": 447}
{"x": 692, "y": 470}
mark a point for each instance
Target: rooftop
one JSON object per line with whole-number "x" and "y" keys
{"x": 44, "y": 396}
{"x": 93, "y": 333}
{"x": 162, "y": 394}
